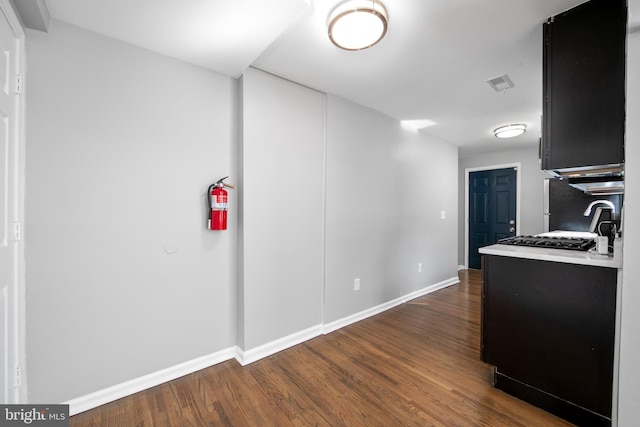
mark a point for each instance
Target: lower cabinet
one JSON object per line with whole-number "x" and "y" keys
{"x": 549, "y": 329}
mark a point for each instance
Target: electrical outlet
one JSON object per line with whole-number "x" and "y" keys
{"x": 356, "y": 284}
{"x": 443, "y": 214}
{"x": 419, "y": 267}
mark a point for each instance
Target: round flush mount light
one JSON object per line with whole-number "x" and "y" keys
{"x": 509, "y": 131}
{"x": 358, "y": 24}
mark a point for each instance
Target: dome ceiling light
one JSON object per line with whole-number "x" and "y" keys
{"x": 509, "y": 131}
{"x": 358, "y": 24}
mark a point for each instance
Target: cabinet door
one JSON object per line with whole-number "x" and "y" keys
{"x": 584, "y": 86}
{"x": 551, "y": 326}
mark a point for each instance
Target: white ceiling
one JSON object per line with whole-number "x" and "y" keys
{"x": 433, "y": 63}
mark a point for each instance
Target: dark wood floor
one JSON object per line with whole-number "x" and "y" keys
{"x": 414, "y": 365}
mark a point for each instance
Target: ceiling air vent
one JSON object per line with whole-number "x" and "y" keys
{"x": 500, "y": 83}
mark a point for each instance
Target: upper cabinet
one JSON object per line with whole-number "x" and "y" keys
{"x": 584, "y": 89}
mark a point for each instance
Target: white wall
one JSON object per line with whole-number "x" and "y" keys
{"x": 121, "y": 146}
{"x": 282, "y": 241}
{"x": 386, "y": 188}
{"x": 629, "y": 397}
{"x": 531, "y": 189}
{"x": 124, "y": 280}
{"x": 383, "y": 202}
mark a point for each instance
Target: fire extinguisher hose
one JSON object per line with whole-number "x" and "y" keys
{"x": 209, "y": 200}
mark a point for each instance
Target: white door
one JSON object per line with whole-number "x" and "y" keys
{"x": 11, "y": 157}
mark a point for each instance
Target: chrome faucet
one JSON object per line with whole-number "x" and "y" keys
{"x": 587, "y": 212}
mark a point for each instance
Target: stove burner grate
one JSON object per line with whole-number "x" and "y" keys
{"x": 573, "y": 243}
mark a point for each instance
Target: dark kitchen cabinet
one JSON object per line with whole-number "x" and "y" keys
{"x": 549, "y": 329}
{"x": 584, "y": 86}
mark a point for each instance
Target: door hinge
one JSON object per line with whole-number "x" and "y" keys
{"x": 18, "y": 84}
{"x": 17, "y": 231}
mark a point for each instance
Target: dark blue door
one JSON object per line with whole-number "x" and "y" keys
{"x": 492, "y": 209}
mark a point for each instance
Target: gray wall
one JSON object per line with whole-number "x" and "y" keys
{"x": 531, "y": 189}
{"x": 124, "y": 280}
{"x": 282, "y": 240}
{"x": 121, "y": 146}
{"x": 385, "y": 193}
{"x": 630, "y": 345}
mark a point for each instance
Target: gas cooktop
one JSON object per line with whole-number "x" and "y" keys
{"x": 573, "y": 243}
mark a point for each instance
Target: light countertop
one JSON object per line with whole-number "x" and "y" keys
{"x": 556, "y": 255}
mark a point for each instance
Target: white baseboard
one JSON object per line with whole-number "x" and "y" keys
{"x": 346, "y": 321}
{"x": 260, "y": 352}
{"x": 136, "y": 385}
{"x": 462, "y": 267}
{"x": 432, "y": 288}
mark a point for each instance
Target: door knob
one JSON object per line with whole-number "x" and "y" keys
{"x": 512, "y": 222}
{"x": 512, "y": 229}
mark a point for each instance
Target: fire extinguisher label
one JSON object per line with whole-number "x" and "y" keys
{"x": 219, "y": 202}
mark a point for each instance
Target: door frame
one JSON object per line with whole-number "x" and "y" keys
{"x": 518, "y": 167}
{"x": 16, "y": 322}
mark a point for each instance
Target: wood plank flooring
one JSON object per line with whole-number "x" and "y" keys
{"x": 415, "y": 365}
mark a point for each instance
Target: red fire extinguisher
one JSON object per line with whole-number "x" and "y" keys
{"x": 218, "y": 205}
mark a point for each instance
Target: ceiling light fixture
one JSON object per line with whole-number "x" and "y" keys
{"x": 358, "y": 24}
{"x": 509, "y": 131}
